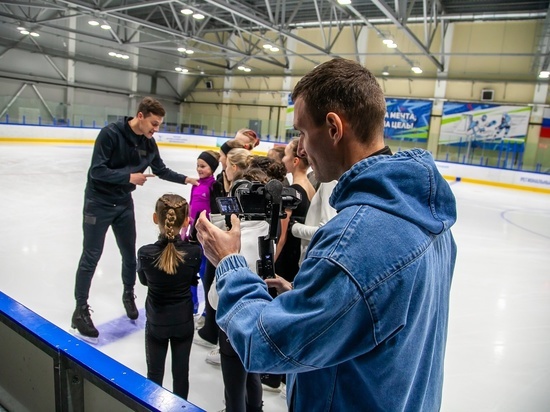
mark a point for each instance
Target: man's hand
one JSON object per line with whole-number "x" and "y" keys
{"x": 192, "y": 180}
{"x": 217, "y": 243}
{"x": 280, "y": 284}
{"x": 139, "y": 179}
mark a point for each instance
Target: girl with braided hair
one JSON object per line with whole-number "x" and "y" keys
{"x": 169, "y": 268}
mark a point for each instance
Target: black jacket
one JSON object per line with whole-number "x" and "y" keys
{"x": 169, "y": 300}
{"x": 118, "y": 152}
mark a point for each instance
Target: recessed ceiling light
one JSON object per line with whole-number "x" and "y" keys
{"x": 25, "y": 32}
{"x": 267, "y": 46}
{"x": 93, "y": 23}
{"x": 241, "y": 67}
{"x": 247, "y": 69}
{"x": 198, "y": 16}
{"x": 189, "y": 51}
{"x": 274, "y": 49}
{"x": 391, "y": 45}
{"x": 21, "y": 28}
{"x": 34, "y": 34}
{"x": 416, "y": 69}
{"x": 105, "y": 27}
{"x": 187, "y": 12}
{"x": 182, "y": 49}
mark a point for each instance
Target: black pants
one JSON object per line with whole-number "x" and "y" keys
{"x": 98, "y": 216}
{"x": 180, "y": 338}
{"x": 209, "y": 331}
{"x": 243, "y": 390}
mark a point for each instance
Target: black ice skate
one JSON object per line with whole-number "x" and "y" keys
{"x": 82, "y": 322}
{"x": 128, "y": 300}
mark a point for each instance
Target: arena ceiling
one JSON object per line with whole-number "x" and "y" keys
{"x": 229, "y": 34}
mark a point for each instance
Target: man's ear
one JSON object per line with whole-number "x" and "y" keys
{"x": 155, "y": 218}
{"x": 335, "y": 126}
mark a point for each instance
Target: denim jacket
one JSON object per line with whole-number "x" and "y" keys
{"x": 365, "y": 327}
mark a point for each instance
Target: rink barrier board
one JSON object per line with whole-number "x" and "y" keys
{"x": 483, "y": 175}
{"x": 46, "y": 368}
{"x": 497, "y": 184}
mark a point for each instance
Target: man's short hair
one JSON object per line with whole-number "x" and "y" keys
{"x": 151, "y": 106}
{"x": 348, "y": 89}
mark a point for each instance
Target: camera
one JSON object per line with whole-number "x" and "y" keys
{"x": 257, "y": 201}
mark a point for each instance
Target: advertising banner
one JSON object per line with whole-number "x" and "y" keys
{"x": 407, "y": 119}
{"x": 483, "y": 123}
{"x": 545, "y": 127}
{"x": 289, "y": 122}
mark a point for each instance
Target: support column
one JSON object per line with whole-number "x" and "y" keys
{"x": 533, "y": 133}
{"x": 440, "y": 91}
{"x": 133, "y": 99}
{"x": 68, "y": 112}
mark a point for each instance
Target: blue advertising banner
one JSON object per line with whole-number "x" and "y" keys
{"x": 483, "y": 123}
{"x": 407, "y": 119}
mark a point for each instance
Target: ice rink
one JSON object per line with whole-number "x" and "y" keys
{"x": 498, "y": 356}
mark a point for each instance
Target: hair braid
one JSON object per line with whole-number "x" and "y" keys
{"x": 172, "y": 211}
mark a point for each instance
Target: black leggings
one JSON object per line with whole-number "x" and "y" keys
{"x": 243, "y": 390}
{"x": 180, "y": 338}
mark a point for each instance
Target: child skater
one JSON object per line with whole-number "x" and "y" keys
{"x": 169, "y": 268}
{"x": 207, "y": 163}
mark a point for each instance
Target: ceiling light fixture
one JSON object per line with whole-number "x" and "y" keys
{"x": 93, "y": 23}
{"x": 182, "y": 70}
{"x": 189, "y": 51}
{"x": 105, "y": 27}
{"x": 385, "y": 71}
{"x": 25, "y": 32}
{"x": 34, "y": 34}
{"x": 187, "y": 12}
{"x": 119, "y": 55}
{"x": 198, "y": 16}
{"x": 344, "y": 2}
{"x": 270, "y": 47}
{"x": 416, "y": 69}
{"x": 182, "y": 49}
{"x": 544, "y": 74}
{"x": 387, "y": 41}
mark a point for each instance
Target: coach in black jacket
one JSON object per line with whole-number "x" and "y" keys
{"x": 122, "y": 152}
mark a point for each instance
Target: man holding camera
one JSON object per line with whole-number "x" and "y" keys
{"x": 365, "y": 325}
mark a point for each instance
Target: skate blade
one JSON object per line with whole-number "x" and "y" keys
{"x": 88, "y": 339}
